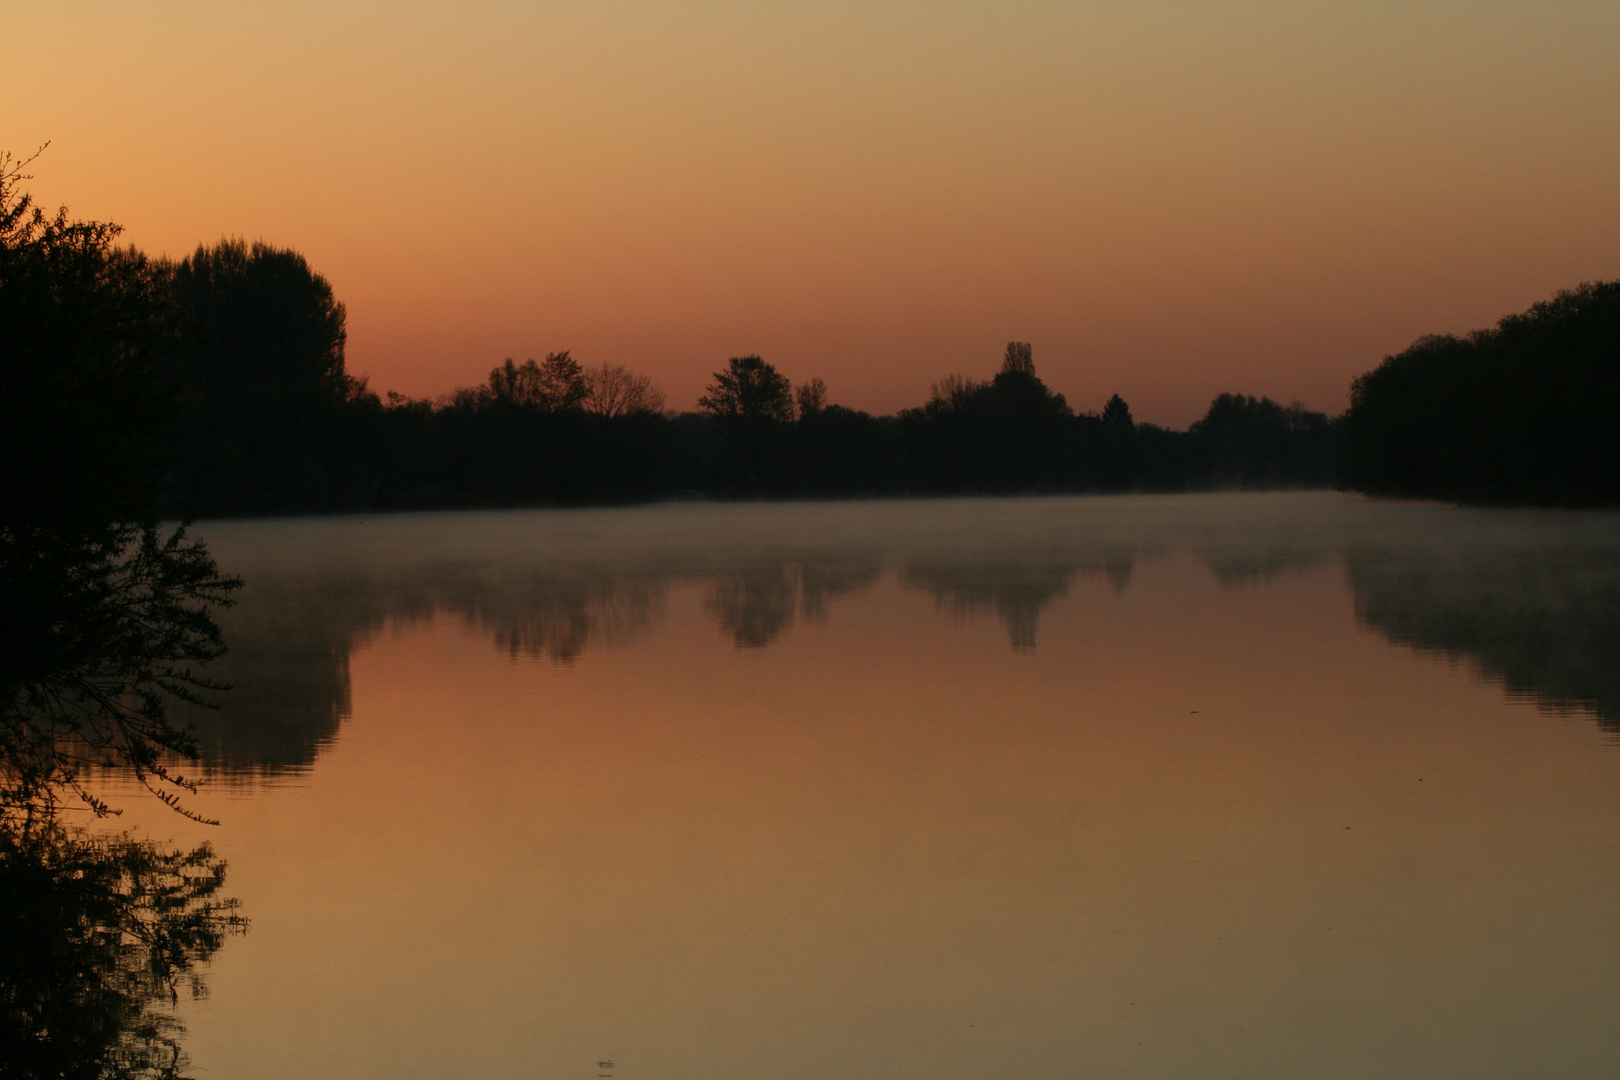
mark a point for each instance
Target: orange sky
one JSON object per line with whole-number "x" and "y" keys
{"x": 1168, "y": 200}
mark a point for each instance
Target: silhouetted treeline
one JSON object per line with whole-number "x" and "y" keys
{"x": 1525, "y": 413}
{"x": 269, "y": 421}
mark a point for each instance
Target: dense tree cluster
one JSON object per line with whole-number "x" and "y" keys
{"x": 106, "y": 613}
{"x": 553, "y": 432}
{"x": 1525, "y": 413}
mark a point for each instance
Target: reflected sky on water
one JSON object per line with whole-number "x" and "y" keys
{"x": 1270, "y": 785}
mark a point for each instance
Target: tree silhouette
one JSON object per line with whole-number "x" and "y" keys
{"x": 259, "y": 355}
{"x": 749, "y": 390}
{"x": 83, "y": 413}
{"x": 264, "y": 332}
{"x": 556, "y": 384}
{"x": 752, "y": 403}
{"x": 612, "y": 390}
{"x": 1253, "y": 442}
{"x": 1117, "y": 414}
{"x": 811, "y": 397}
{"x": 1020, "y": 359}
{"x": 252, "y": 342}
{"x": 1010, "y": 434}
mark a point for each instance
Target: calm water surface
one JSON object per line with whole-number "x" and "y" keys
{"x": 1228, "y": 786}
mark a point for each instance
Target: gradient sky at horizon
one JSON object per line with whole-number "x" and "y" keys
{"x": 1167, "y": 199}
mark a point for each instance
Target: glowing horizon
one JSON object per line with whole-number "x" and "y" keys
{"x": 1168, "y": 201}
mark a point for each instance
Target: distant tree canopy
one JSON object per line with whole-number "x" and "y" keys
{"x": 1010, "y": 434}
{"x": 557, "y": 384}
{"x": 553, "y": 432}
{"x": 1020, "y": 359}
{"x": 612, "y": 390}
{"x": 1117, "y": 414}
{"x": 749, "y": 390}
{"x": 1527, "y": 412}
{"x": 811, "y": 397}
{"x": 1255, "y": 442}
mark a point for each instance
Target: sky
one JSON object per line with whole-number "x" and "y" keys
{"x": 1168, "y": 200}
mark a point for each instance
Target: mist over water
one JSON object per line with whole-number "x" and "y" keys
{"x": 1527, "y": 599}
{"x": 1227, "y": 785}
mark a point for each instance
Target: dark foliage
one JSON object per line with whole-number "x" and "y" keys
{"x": 532, "y": 436}
{"x": 102, "y": 641}
{"x": 101, "y": 936}
{"x": 1010, "y": 434}
{"x": 257, "y": 355}
{"x": 256, "y": 413}
{"x": 1248, "y": 442}
{"x": 82, "y": 416}
{"x": 1525, "y": 413}
{"x": 749, "y": 390}
{"x": 752, "y": 404}
{"x": 106, "y": 614}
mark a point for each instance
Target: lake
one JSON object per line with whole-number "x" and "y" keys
{"x": 1280, "y": 785}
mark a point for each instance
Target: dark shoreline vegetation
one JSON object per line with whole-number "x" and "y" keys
{"x": 270, "y": 422}
{"x": 1524, "y": 414}
{"x": 267, "y": 420}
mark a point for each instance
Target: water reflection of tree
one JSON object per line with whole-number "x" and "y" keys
{"x": 1017, "y": 592}
{"x": 291, "y": 639}
{"x": 1524, "y": 605}
{"x": 557, "y": 615}
{"x": 758, "y": 601}
{"x": 294, "y": 633}
{"x": 1242, "y": 569}
{"x": 98, "y": 933}
{"x": 102, "y": 935}
{"x": 1544, "y": 624}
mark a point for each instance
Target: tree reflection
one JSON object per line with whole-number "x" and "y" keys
{"x": 288, "y": 669}
{"x": 557, "y": 616}
{"x": 1243, "y": 569}
{"x": 102, "y": 935}
{"x": 757, "y": 602}
{"x": 1017, "y": 592}
{"x": 293, "y": 634}
{"x": 1543, "y": 624}
{"x": 1536, "y": 604}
